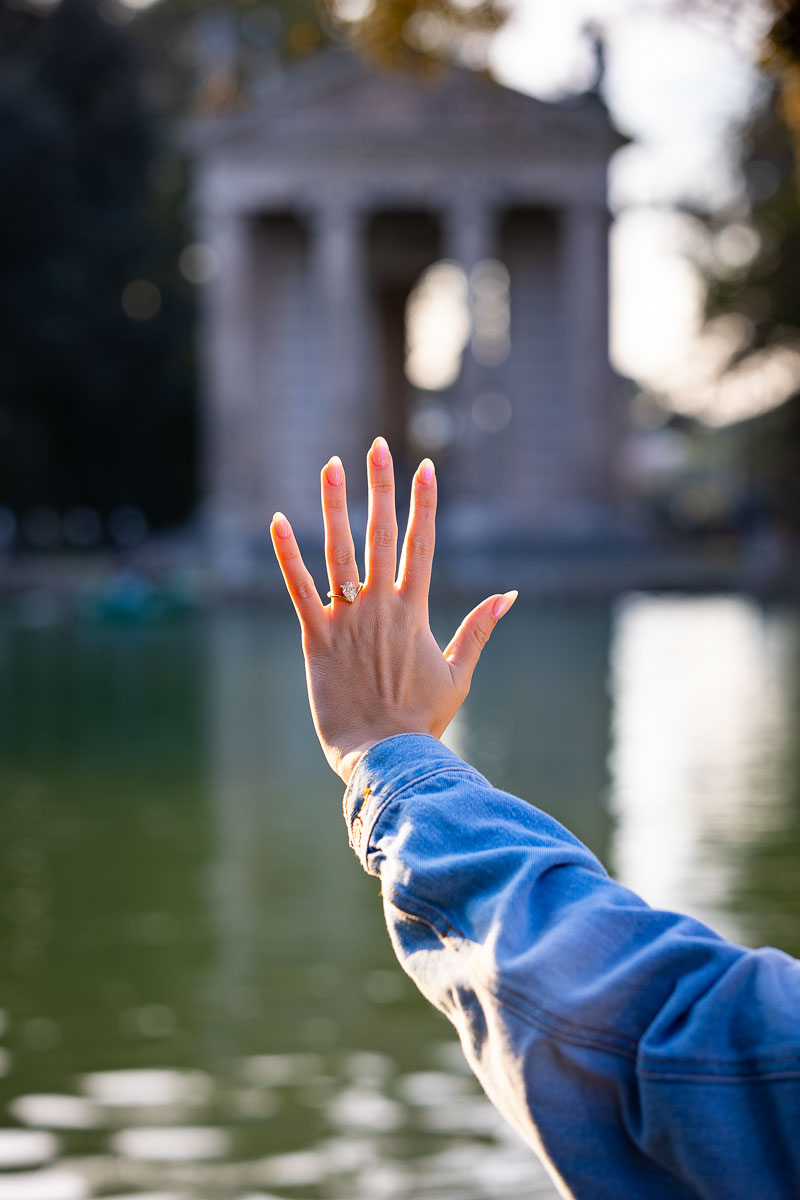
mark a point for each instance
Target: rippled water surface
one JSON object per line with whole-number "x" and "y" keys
{"x": 197, "y": 995}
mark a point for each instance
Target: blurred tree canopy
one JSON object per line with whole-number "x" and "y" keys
{"x": 97, "y": 389}
{"x": 752, "y": 276}
{"x": 210, "y": 58}
{"x": 782, "y": 57}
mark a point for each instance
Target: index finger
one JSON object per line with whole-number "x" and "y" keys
{"x": 416, "y": 560}
{"x": 296, "y": 576}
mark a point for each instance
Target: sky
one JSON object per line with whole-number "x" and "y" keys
{"x": 680, "y": 79}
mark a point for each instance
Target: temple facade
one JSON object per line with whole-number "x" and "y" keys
{"x": 325, "y": 206}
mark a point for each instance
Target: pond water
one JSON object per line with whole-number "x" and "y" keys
{"x": 197, "y": 995}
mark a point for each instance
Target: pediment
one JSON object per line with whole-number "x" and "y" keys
{"x": 337, "y": 96}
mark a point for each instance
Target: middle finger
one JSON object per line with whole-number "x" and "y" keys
{"x": 340, "y": 553}
{"x": 381, "y": 549}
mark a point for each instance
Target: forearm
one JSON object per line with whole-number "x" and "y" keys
{"x": 612, "y": 1035}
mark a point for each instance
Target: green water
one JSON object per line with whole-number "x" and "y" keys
{"x": 188, "y": 945}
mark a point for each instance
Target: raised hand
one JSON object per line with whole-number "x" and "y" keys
{"x": 373, "y": 667}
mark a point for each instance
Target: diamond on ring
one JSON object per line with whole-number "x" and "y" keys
{"x": 350, "y": 590}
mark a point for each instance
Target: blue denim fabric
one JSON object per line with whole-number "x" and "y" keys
{"x": 639, "y": 1053}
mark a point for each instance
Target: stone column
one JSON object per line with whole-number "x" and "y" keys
{"x": 468, "y": 228}
{"x": 339, "y": 278}
{"x": 589, "y": 393}
{"x": 469, "y": 237}
{"x": 231, "y": 469}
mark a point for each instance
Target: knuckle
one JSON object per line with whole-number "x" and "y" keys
{"x": 480, "y": 635}
{"x": 336, "y": 504}
{"x": 383, "y": 537}
{"x": 425, "y": 501}
{"x": 304, "y": 590}
{"x": 383, "y": 487}
{"x": 420, "y": 547}
{"x": 340, "y": 556}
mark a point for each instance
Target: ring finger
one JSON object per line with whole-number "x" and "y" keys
{"x": 340, "y": 554}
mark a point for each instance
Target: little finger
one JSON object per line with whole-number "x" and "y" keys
{"x": 296, "y": 576}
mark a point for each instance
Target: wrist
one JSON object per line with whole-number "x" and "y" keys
{"x": 346, "y": 761}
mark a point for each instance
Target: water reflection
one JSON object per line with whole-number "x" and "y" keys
{"x": 26, "y": 1147}
{"x": 703, "y": 719}
{"x": 197, "y": 995}
{"x": 55, "y": 1112}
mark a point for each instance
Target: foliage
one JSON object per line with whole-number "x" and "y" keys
{"x": 404, "y": 33}
{"x": 97, "y": 397}
{"x": 759, "y": 290}
{"x": 782, "y": 56}
{"x": 210, "y": 58}
{"x": 761, "y": 286}
{"x": 95, "y": 406}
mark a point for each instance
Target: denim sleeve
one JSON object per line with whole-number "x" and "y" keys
{"x": 639, "y": 1053}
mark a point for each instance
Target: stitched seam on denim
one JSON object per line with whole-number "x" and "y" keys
{"x": 443, "y": 770}
{"x": 385, "y": 801}
{"x": 571, "y": 1031}
{"x": 589, "y": 1038}
{"x": 430, "y": 917}
{"x": 383, "y": 741}
{"x": 688, "y": 1068}
{"x": 791, "y": 1056}
{"x": 766, "y": 1076}
{"x": 541, "y": 1018}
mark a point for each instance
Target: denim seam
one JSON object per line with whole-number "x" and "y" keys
{"x": 381, "y": 804}
{"x": 724, "y": 1071}
{"x": 586, "y": 1036}
{"x": 540, "y": 1017}
{"x": 443, "y": 770}
{"x": 768, "y": 1075}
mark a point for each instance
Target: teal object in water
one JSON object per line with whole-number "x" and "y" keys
{"x": 129, "y": 598}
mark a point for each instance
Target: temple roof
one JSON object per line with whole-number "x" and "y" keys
{"x": 334, "y": 101}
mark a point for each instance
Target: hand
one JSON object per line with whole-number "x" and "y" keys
{"x": 373, "y": 667}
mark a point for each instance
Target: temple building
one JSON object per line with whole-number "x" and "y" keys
{"x": 422, "y": 257}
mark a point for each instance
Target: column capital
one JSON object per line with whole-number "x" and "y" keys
{"x": 335, "y": 210}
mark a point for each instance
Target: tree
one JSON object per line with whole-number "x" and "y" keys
{"x": 752, "y": 276}
{"x": 211, "y": 58}
{"x": 97, "y": 392}
{"x": 95, "y": 395}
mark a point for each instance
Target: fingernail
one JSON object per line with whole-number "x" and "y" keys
{"x": 503, "y": 603}
{"x": 334, "y": 471}
{"x": 380, "y": 452}
{"x": 280, "y": 525}
{"x": 426, "y": 471}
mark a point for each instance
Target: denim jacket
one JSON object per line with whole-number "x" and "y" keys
{"x": 639, "y": 1053}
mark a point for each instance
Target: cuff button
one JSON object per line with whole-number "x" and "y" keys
{"x": 358, "y": 831}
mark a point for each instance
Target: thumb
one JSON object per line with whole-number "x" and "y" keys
{"x": 473, "y": 633}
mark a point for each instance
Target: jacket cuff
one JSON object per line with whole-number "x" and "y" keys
{"x": 387, "y": 768}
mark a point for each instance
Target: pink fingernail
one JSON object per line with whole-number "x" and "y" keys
{"x": 280, "y": 525}
{"x": 426, "y": 471}
{"x": 334, "y": 472}
{"x": 380, "y": 452}
{"x": 503, "y": 603}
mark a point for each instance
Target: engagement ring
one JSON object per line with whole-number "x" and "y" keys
{"x": 349, "y": 591}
